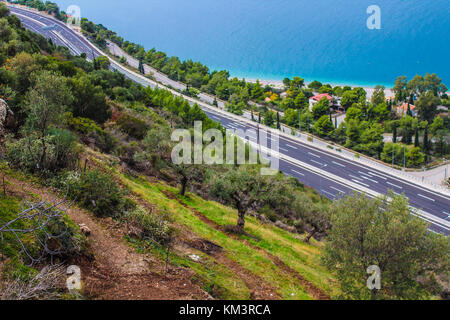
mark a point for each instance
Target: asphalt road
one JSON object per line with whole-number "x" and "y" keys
{"x": 432, "y": 202}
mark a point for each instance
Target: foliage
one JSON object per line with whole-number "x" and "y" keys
{"x": 96, "y": 191}
{"x": 149, "y": 225}
{"x": 369, "y": 232}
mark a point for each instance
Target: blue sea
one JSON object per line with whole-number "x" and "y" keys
{"x": 325, "y": 40}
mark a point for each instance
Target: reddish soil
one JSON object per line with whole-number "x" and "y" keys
{"x": 117, "y": 271}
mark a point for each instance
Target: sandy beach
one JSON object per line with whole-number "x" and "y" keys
{"x": 279, "y": 84}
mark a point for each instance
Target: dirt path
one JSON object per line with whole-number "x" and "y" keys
{"x": 117, "y": 271}
{"x": 310, "y": 288}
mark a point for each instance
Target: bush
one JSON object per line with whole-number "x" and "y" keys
{"x": 133, "y": 126}
{"x": 96, "y": 191}
{"x": 91, "y": 131}
{"x": 149, "y": 226}
{"x": 62, "y": 152}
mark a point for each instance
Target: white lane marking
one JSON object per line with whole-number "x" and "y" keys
{"x": 297, "y": 172}
{"x": 421, "y": 195}
{"x": 369, "y": 179}
{"x": 319, "y": 163}
{"x": 394, "y": 185}
{"x": 365, "y": 174}
{"x": 338, "y": 190}
{"x": 288, "y": 145}
{"x": 314, "y": 155}
{"x": 339, "y": 164}
{"x": 283, "y": 149}
{"x": 360, "y": 183}
{"x": 352, "y": 176}
{"x": 329, "y": 193}
{"x": 217, "y": 118}
{"x": 377, "y": 175}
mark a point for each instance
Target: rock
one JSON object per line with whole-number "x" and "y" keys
{"x": 194, "y": 257}
{"x": 283, "y": 226}
{"x": 4, "y": 111}
{"x": 85, "y": 229}
{"x": 263, "y": 219}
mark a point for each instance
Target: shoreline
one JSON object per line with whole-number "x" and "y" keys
{"x": 279, "y": 85}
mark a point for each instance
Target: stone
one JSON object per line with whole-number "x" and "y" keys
{"x": 85, "y": 229}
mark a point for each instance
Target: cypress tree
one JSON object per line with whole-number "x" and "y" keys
{"x": 278, "y": 121}
{"x": 141, "y": 66}
{"x": 259, "y": 117}
{"x": 416, "y": 138}
{"x": 408, "y": 112}
{"x": 394, "y": 134}
{"x": 425, "y": 141}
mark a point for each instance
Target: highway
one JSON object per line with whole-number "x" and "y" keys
{"x": 330, "y": 174}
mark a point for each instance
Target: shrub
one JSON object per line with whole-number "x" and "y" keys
{"x": 62, "y": 152}
{"x": 149, "y": 226}
{"x": 96, "y": 191}
{"x": 133, "y": 126}
{"x": 91, "y": 131}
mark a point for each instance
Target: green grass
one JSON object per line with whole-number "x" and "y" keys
{"x": 299, "y": 256}
{"x": 302, "y": 257}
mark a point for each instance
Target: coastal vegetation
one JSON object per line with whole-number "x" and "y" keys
{"x": 103, "y": 142}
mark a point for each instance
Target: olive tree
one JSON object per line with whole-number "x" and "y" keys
{"x": 383, "y": 232}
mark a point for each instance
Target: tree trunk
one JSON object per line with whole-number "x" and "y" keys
{"x": 310, "y": 235}
{"x": 184, "y": 182}
{"x": 241, "y": 220}
{"x": 44, "y": 151}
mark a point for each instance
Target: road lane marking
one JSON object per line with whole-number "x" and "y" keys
{"x": 288, "y": 145}
{"x": 329, "y": 193}
{"x": 338, "y": 190}
{"x": 284, "y": 149}
{"x": 365, "y": 174}
{"x": 369, "y": 179}
{"x": 339, "y": 164}
{"x": 377, "y": 175}
{"x": 297, "y": 172}
{"x": 352, "y": 176}
{"x": 314, "y": 155}
{"x": 394, "y": 185}
{"x": 421, "y": 195}
{"x": 319, "y": 163}
{"x": 360, "y": 183}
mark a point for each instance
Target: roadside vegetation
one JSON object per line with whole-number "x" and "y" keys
{"x": 103, "y": 142}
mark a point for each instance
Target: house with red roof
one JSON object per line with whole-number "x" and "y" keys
{"x": 402, "y": 110}
{"x": 315, "y": 99}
